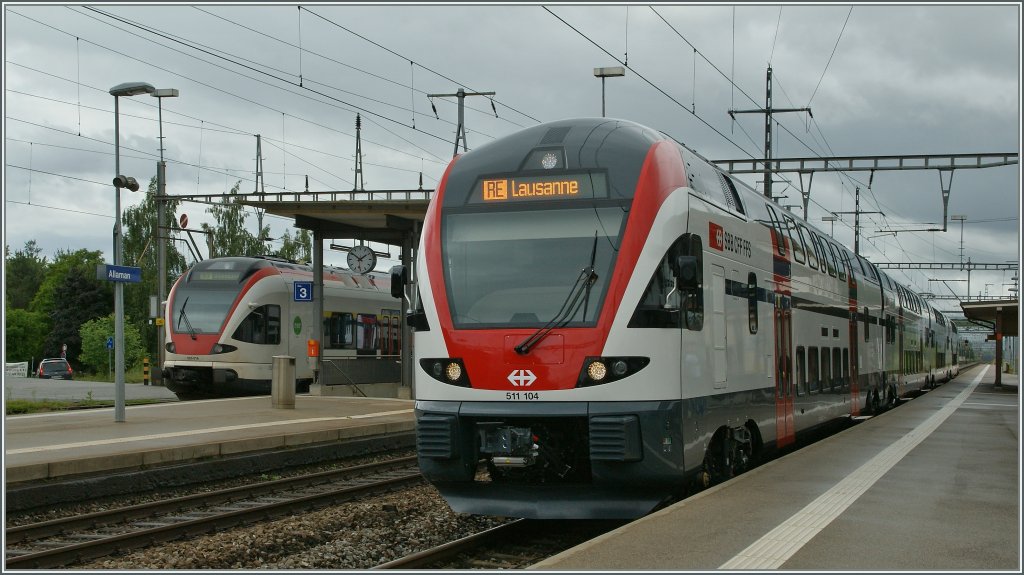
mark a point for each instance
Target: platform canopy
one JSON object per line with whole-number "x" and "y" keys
{"x": 1002, "y": 314}
{"x": 393, "y": 217}
{"x": 384, "y": 216}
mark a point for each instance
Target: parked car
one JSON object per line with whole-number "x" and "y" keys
{"x": 55, "y": 368}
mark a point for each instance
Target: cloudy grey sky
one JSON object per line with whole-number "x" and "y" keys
{"x": 880, "y": 79}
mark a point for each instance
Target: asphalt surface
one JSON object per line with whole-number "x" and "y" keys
{"x": 33, "y": 389}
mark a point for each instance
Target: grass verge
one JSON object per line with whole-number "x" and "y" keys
{"x": 23, "y": 406}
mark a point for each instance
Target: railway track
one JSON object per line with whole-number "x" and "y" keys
{"x": 514, "y": 545}
{"x": 71, "y": 540}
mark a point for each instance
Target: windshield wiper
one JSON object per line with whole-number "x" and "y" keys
{"x": 570, "y": 306}
{"x": 593, "y": 255}
{"x": 188, "y": 324}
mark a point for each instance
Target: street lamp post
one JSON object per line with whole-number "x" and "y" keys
{"x": 126, "y": 89}
{"x": 602, "y": 73}
{"x": 161, "y": 231}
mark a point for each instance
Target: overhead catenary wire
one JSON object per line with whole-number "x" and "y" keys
{"x": 249, "y": 100}
{"x": 340, "y": 63}
{"x": 778, "y": 24}
{"x": 206, "y": 123}
{"x": 840, "y": 37}
{"x": 354, "y": 107}
{"x": 263, "y": 105}
{"x": 46, "y": 207}
{"x": 785, "y": 128}
{"x": 439, "y": 74}
{"x": 648, "y": 82}
{"x": 659, "y": 89}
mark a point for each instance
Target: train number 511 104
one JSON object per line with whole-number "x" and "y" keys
{"x": 522, "y": 396}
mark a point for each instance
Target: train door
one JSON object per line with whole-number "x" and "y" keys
{"x": 854, "y": 355}
{"x": 391, "y": 332}
{"x": 718, "y": 325}
{"x": 785, "y": 430}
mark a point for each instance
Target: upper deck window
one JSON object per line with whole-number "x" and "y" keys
{"x": 795, "y": 240}
{"x": 711, "y": 183}
{"x": 805, "y": 238}
{"x": 780, "y": 241}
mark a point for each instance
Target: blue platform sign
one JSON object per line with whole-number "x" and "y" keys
{"x": 123, "y": 274}
{"x": 110, "y": 342}
{"x": 303, "y": 291}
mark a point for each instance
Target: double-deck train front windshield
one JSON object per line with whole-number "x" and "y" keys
{"x": 531, "y": 224}
{"x": 522, "y": 267}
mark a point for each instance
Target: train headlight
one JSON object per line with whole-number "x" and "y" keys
{"x": 602, "y": 370}
{"x": 222, "y": 348}
{"x": 453, "y": 372}
{"x": 597, "y": 371}
{"x": 448, "y": 370}
{"x": 169, "y": 346}
{"x": 620, "y": 367}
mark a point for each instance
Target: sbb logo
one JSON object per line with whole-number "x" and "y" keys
{"x": 716, "y": 236}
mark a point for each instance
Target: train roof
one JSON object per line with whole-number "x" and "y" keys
{"x": 241, "y": 267}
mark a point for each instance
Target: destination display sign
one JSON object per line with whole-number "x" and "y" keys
{"x": 543, "y": 187}
{"x": 215, "y": 275}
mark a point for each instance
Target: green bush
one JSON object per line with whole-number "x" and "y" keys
{"x": 25, "y": 333}
{"x": 95, "y": 356}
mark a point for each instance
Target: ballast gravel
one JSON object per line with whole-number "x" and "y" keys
{"x": 354, "y": 535}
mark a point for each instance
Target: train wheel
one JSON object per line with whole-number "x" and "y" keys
{"x": 893, "y": 397}
{"x": 874, "y": 404}
{"x": 728, "y": 455}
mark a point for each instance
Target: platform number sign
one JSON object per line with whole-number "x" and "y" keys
{"x": 303, "y": 291}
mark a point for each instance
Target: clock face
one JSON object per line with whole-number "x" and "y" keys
{"x": 361, "y": 259}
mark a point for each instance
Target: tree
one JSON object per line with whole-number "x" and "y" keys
{"x": 69, "y": 296}
{"x": 300, "y": 248}
{"x": 93, "y": 335}
{"x": 25, "y": 330}
{"x": 139, "y": 248}
{"x": 24, "y": 271}
{"x": 63, "y": 262}
{"x": 230, "y": 238}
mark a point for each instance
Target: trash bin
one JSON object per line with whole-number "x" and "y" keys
{"x": 282, "y": 385}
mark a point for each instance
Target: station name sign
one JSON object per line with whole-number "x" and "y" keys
{"x": 122, "y": 274}
{"x": 545, "y": 187}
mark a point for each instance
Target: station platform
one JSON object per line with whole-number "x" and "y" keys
{"x": 931, "y": 485}
{"x": 60, "y": 445}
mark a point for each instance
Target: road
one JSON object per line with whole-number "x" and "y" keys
{"x": 32, "y": 389}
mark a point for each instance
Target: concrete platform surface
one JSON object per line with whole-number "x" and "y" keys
{"x": 52, "y": 445}
{"x": 931, "y": 485}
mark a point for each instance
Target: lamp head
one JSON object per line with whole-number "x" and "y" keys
{"x": 126, "y": 182}
{"x": 132, "y": 89}
{"x": 613, "y": 71}
{"x": 164, "y": 93}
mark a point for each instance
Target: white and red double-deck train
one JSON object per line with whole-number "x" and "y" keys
{"x": 228, "y": 317}
{"x": 604, "y": 317}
